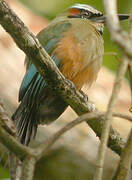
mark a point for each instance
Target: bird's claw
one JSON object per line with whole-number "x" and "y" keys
{"x": 71, "y": 84}
{"x": 85, "y": 96}
{"x": 91, "y": 107}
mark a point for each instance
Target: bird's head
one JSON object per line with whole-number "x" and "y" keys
{"x": 89, "y": 13}
{"x": 83, "y": 11}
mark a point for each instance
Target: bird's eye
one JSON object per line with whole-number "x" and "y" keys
{"x": 85, "y": 14}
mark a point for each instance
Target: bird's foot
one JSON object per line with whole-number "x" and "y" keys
{"x": 71, "y": 84}
{"x": 85, "y": 96}
{"x": 91, "y": 106}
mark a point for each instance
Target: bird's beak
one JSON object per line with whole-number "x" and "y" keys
{"x": 102, "y": 19}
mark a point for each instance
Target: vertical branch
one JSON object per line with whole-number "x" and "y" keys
{"x": 130, "y": 63}
{"x": 118, "y": 36}
{"x": 28, "y": 168}
{"x": 125, "y": 161}
{"x": 130, "y": 74}
{"x": 15, "y": 167}
{"x": 107, "y": 123}
{"x": 111, "y": 12}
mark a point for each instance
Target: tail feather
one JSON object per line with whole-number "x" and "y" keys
{"x": 26, "y": 121}
{"x": 26, "y": 116}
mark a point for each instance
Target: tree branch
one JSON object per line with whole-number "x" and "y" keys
{"x": 9, "y": 140}
{"x": 13, "y": 145}
{"x": 15, "y": 167}
{"x": 124, "y": 116}
{"x": 108, "y": 119}
{"x": 130, "y": 74}
{"x": 130, "y": 63}
{"x": 117, "y": 34}
{"x": 5, "y": 121}
{"x": 119, "y": 37}
{"x": 125, "y": 160}
{"x": 116, "y": 143}
{"x": 28, "y": 168}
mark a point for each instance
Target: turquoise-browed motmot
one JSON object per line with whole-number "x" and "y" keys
{"x": 75, "y": 43}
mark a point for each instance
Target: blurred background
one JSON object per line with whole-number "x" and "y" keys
{"x": 76, "y": 152}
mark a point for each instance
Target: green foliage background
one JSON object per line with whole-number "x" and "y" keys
{"x": 3, "y": 173}
{"x": 49, "y": 9}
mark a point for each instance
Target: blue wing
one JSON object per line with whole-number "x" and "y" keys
{"x": 49, "y": 38}
{"x": 34, "y": 80}
{"x": 33, "y": 83}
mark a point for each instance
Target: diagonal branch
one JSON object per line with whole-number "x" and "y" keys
{"x": 5, "y": 122}
{"x": 8, "y": 135}
{"x": 116, "y": 143}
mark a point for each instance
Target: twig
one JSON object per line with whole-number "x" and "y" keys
{"x": 130, "y": 63}
{"x": 119, "y": 37}
{"x": 125, "y": 161}
{"x": 90, "y": 118}
{"x": 5, "y": 121}
{"x": 130, "y": 75}
{"x": 13, "y": 145}
{"x": 116, "y": 143}
{"x": 107, "y": 123}
{"x": 44, "y": 147}
{"x": 117, "y": 34}
{"x": 15, "y": 167}
{"x": 28, "y": 168}
{"x": 9, "y": 140}
{"x": 124, "y": 116}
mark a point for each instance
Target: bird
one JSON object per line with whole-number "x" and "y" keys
{"x": 75, "y": 43}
